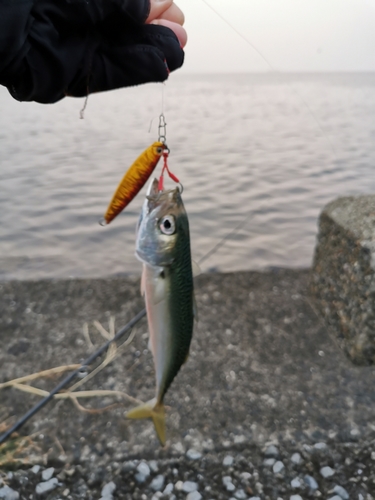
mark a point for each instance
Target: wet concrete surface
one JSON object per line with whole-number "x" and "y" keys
{"x": 263, "y": 369}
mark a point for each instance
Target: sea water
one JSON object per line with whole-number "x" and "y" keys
{"x": 259, "y": 155}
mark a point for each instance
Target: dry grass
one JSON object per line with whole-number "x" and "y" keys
{"x": 17, "y": 449}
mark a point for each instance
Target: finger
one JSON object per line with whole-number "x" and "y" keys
{"x": 173, "y": 14}
{"x": 178, "y": 30}
{"x": 157, "y": 7}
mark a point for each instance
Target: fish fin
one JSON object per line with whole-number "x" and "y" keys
{"x": 149, "y": 345}
{"x": 159, "y": 287}
{"x": 156, "y": 411}
{"x": 195, "y": 309}
{"x": 196, "y": 269}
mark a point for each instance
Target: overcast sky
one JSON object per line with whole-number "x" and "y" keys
{"x": 293, "y": 35}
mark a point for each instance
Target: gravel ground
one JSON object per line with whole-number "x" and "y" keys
{"x": 267, "y": 406}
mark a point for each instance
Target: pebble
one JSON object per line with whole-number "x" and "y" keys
{"x": 143, "y": 468}
{"x": 48, "y": 473}
{"x": 296, "y": 483}
{"x": 46, "y": 486}
{"x": 35, "y": 469}
{"x": 153, "y": 465}
{"x": 157, "y": 483}
{"x": 228, "y": 461}
{"x": 179, "y": 447}
{"x": 143, "y": 472}
{"x": 245, "y": 476}
{"x": 194, "y": 495}
{"x": 254, "y": 498}
{"x": 271, "y": 452}
{"x": 311, "y": 483}
{"x": 240, "y": 495}
{"x": 341, "y": 492}
{"x": 296, "y": 458}
{"x": 336, "y": 497}
{"x": 239, "y": 439}
{"x": 320, "y": 446}
{"x": 268, "y": 462}
{"x": 129, "y": 465}
{"x": 327, "y": 472}
{"x": 295, "y": 497}
{"x": 189, "y": 486}
{"x": 168, "y": 489}
{"x": 193, "y": 454}
{"x": 140, "y": 478}
{"x": 278, "y": 467}
{"x": 8, "y": 494}
{"x": 227, "y": 482}
{"x": 108, "y": 490}
{"x": 179, "y": 485}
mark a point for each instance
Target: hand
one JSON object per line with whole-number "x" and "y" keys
{"x": 166, "y": 13}
{"x": 50, "y": 49}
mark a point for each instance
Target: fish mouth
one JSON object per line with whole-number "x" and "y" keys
{"x": 155, "y": 195}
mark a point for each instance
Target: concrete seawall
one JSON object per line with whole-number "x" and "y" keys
{"x": 343, "y": 278}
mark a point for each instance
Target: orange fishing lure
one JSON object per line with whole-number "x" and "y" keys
{"x": 134, "y": 179}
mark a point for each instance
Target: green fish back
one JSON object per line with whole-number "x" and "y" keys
{"x": 181, "y": 301}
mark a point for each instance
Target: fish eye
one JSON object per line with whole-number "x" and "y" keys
{"x": 167, "y": 225}
{"x": 159, "y": 150}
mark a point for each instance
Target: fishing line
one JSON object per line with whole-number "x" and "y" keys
{"x": 241, "y": 35}
{"x": 162, "y": 97}
{"x": 223, "y": 240}
{"x": 82, "y": 111}
{"x": 272, "y": 67}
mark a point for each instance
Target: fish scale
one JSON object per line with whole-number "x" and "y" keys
{"x": 182, "y": 320}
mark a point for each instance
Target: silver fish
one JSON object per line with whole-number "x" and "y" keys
{"x": 163, "y": 245}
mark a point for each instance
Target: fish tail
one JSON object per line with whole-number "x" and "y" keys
{"x": 152, "y": 409}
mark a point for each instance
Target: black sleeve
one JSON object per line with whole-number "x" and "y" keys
{"x": 53, "y": 48}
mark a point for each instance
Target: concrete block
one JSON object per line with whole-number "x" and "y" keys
{"x": 343, "y": 274}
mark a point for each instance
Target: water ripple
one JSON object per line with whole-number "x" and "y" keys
{"x": 245, "y": 147}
